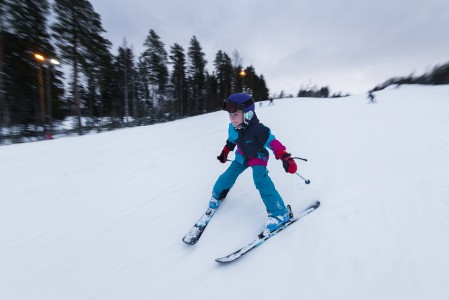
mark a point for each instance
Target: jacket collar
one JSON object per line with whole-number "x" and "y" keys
{"x": 244, "y": 126}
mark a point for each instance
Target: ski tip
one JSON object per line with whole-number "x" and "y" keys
{"x": 315, "y": 205}
{"x": 230, "y": 258}
{"x": 189, "y": 241}
{"x": 222, "y": 260}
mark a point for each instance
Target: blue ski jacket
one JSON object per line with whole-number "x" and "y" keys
{"x": 252, "y": 143}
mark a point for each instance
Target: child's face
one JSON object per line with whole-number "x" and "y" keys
{"x": 236, "y": 118}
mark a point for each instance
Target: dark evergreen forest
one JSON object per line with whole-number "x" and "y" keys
{"x": 102, "y": 90}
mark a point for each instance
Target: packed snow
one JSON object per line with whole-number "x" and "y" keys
{"x": 102, "y": 216}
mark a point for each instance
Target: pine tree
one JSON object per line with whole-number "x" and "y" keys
{"x": 212, "y": 96}
{"x": 106, "y": 85}
{"x": 143, "y": 84}
{"x": 125, "y": 71}
{"x": 196, "y": 73}
{"x": 97, "y": 66}
{"x": 178, "y": 78}
{"x": 77, "y": 32}
{"x": 155, "y": 59}
{"x": 254, "y": 85}
{"x": 224, "y": 73}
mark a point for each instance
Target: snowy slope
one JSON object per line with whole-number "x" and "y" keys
{"x": 102, "y": 216}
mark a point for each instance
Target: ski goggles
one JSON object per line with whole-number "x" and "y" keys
{"x": 232, "y": 107}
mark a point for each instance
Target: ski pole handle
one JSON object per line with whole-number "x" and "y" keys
{"x": 307, "y": 181}
{"x": 304, "y": 159}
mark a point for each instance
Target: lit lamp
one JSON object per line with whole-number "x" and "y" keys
{"x": 39, "y": 57}
{"x": 243, "y": 74}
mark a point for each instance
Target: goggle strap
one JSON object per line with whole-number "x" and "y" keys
{"x": 247, "y": 103}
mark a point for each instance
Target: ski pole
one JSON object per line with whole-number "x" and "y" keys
{"x": 307, "y": 181}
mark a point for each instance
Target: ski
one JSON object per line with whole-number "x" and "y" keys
{"x": 197, "y": 230}
{"x": 262, "y": 237}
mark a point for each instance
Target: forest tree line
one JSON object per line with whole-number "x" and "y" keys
{"x": 125, "y": 88}
{"x": 438, "y": 75}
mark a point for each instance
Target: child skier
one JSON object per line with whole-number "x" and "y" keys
{"x": 252, "y": 139}
{"x": 371, "y": 97}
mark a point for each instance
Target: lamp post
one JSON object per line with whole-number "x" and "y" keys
{"x": 40, "y": 80}
{"x": 48, "y": 64}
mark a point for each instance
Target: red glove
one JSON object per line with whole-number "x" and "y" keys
{"x": 223, "y": 157}
{"x": 287, "y": 161}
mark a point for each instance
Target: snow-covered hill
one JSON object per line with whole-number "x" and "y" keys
{"x": 102, "y": 216}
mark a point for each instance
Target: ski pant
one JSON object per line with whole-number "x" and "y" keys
{"x": 273, "y": 202}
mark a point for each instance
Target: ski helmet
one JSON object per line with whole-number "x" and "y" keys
{"x": 240, "y": 101}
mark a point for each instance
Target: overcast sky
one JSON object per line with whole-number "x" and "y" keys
{"x": 348, "y": 45}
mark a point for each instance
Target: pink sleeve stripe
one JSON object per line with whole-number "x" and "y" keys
{"x": 276, "y": 146}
